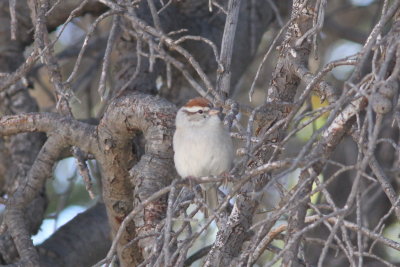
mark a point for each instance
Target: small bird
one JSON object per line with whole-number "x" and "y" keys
{"x": 202, "y": 145}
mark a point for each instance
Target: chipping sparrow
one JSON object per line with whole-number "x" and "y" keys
{"x": 202, "y": 144}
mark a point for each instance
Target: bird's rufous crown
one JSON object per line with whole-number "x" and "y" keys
{"x": 198, "y": 102}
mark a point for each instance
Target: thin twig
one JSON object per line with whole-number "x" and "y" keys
{"x": 14, "y": 21}
{"x": 223, "y": 84}
{"x": 107, "y": 55}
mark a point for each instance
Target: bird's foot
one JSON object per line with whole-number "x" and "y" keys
{"x": 191, "y": 181}
{"x": 226, "y": 178}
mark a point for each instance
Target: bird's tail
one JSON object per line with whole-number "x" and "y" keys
{"x": 210, "y": 195}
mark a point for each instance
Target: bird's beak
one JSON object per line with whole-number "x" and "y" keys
{"x": 214, "y": 111}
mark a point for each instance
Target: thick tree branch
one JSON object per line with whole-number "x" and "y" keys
{"x": 126, "y": 116}
{"x": 81, "y": 242}
{"x": 15, "y": 211}
{"x": 73, "y": 132}
{"x": 18, "y": 152}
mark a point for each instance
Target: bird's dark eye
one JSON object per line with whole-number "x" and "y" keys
{"x": 200, "y": 111}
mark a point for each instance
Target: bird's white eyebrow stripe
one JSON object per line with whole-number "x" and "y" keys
{"x": 195, "y": 109}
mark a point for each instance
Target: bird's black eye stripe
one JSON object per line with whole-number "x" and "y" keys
{"x": 200, "y": 111}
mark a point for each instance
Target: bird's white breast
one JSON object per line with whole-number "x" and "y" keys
{"x": 202, "y": 151}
